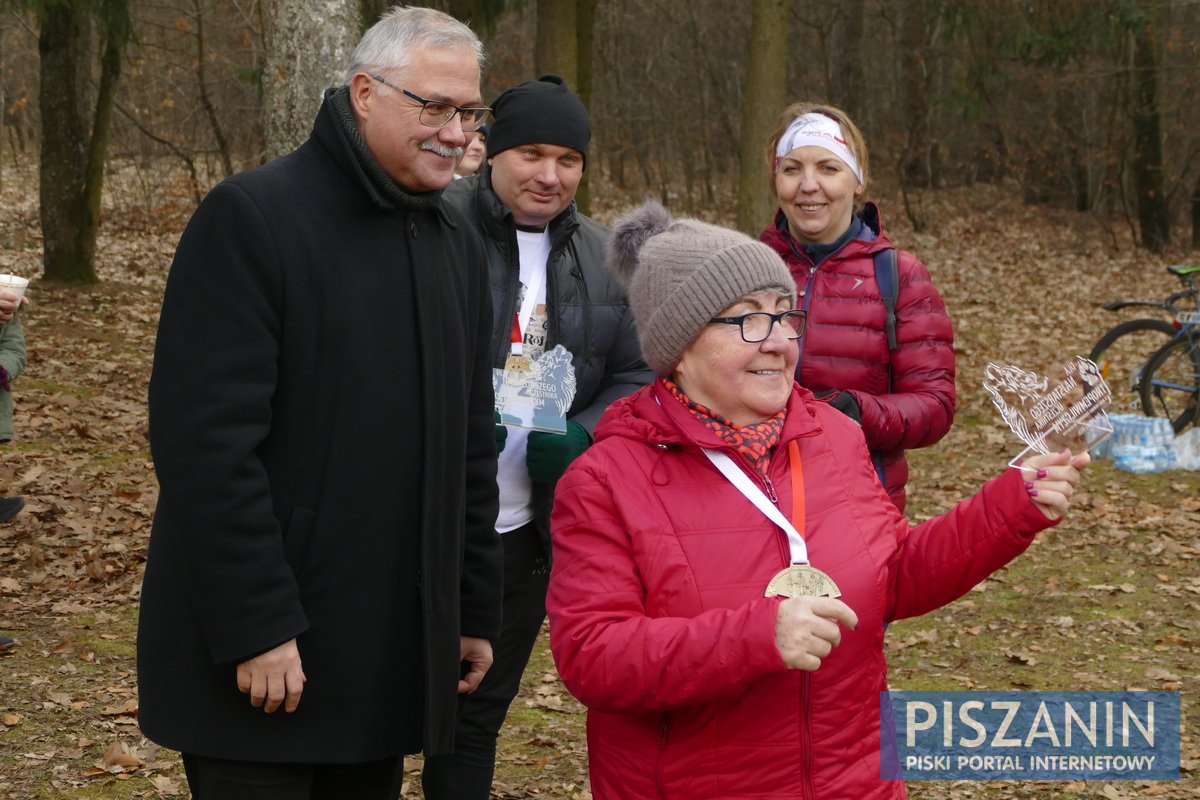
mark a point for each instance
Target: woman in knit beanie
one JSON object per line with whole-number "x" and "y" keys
{"x": 725, "y": 558}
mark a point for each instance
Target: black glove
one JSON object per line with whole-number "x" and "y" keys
{"x": 843, "y": 401}
{"x": 547, "y": 455}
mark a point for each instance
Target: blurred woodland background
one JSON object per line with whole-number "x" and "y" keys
{"x": 1089, "y": 105}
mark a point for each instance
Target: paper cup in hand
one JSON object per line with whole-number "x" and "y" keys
{"x": 13, "y": 283}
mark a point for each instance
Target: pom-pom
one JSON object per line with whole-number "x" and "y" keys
{"x": 630, "y": 232}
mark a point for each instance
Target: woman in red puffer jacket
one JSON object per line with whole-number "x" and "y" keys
{"x": 903, "y": 396}
{"x": 706, "y": 672}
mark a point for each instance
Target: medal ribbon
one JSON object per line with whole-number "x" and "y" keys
{"x": 527, "y": 303}
{"x": 755, "y": 495}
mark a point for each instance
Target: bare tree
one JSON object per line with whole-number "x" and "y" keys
{"x": 762, "y": 100}
{"x": 1196, "y": 216}
{"x": 1153, "y": 216}
{"x": 557, "y": 49}
{"x": 308, "y": 44}
{"x": 846, "y": 62}
{"x": 585, "y": 42}
{"x": 75, "y": 126}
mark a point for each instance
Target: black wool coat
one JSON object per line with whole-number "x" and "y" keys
{"x": 321, "y": 426}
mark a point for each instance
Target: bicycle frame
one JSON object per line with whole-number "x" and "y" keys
{"x": 1177, "y": 393}
{"x": 1187, "y": 275}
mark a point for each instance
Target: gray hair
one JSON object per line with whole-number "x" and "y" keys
{"x": 390, "y": 42}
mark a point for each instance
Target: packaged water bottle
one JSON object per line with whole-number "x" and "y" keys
{"x": 1142, "y": 444}
{"x": 1187, "y": 449}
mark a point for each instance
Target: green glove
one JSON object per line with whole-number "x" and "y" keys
{"x": 501, "y": 433}
{"x": 548, "y": 454}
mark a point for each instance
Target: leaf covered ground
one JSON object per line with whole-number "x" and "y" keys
{"x": 1107, "y": 600}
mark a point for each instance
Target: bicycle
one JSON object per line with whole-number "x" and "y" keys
{"x": 1121, "y": 352}
{"x": 1171, "y": 379}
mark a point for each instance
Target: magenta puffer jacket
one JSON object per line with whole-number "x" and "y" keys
{"x": 845, "y": 344}
{"x": 659, "y": 625}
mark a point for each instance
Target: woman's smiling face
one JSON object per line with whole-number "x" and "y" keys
{"x": 744, "y": 382}
{"x": 816, "y": 191}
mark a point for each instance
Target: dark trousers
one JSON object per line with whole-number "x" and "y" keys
{"x": 221, "y": 779}
{"x": 467, "y": 775}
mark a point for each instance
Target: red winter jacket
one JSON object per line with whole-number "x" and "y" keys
{"x": 845, "y": 344}
{"x": 659, "y": 625}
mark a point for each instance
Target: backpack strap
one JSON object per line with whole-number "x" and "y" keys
{"x": 887, "y": 276}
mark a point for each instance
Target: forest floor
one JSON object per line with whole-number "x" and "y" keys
{"x": 1108, "y": 600}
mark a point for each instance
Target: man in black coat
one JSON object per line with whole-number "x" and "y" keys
{"x": 550, "y": 287}
{"x": 323, "y": 576}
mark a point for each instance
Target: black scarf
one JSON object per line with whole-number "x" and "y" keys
{"x": 387, "y": 189}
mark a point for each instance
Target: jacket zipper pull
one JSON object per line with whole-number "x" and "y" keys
{"x": 771, "y": 490}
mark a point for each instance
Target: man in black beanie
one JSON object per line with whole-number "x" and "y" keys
{"x": 549, "y": 287}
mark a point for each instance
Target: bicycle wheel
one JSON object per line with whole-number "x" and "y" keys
{"x": 1121, "y": 355}
{"x": 1171, "y": 382}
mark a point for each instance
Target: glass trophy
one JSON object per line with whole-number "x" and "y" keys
{"x": 537, "y": 393}
{"x": 1048, "y": 414}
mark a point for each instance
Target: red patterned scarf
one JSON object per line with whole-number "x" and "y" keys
{"x": 755, "y": 442}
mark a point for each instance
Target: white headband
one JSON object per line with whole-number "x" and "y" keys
{"x": 817, "y": 130}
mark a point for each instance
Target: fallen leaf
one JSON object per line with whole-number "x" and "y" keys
{"x": 166, "y": 787}
{"x": 127, "y": 709}
{"x": 1160, "y": 674}
{"x": 118, "y": 755}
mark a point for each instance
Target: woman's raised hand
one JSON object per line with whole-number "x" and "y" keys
{"x": 1050, "y": 480}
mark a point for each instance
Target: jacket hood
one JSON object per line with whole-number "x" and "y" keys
{"x": 780, "y": 239}
{"x": 653, "y": 415}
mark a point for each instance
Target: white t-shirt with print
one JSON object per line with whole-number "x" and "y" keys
{"x": 516, "y": 489}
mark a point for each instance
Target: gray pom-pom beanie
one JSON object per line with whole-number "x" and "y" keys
{"x": 680, "y": 273}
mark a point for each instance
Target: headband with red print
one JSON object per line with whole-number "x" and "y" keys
{"x": 817, "y": 130}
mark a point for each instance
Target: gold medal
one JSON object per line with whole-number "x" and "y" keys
{"x": 802, "y": 580}
{"x": 516, "y": 363}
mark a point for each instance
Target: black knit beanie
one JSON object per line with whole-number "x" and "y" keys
{"x": 544, "y": 111}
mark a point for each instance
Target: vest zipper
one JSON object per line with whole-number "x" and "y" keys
{"x": 552, "y": 311}
{"x": 585, "y": 305}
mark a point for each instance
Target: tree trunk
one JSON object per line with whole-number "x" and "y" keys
{"x": 117, "y": 28}
{"x": 75, "y": 132}
{"x": 585, "y": 41}
{"x": 848, "y": 83}
{"x": 915, "y": 160}
{"x": 308, "y": 43}
{"x": 369, "y": 12}
{"x": 1148, "y": 158}
{"x": 1196, "y": 216}
{"x": 210, "y": 110}
{"x": 557, "y": 48}
{"x": 763, "y": 98}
